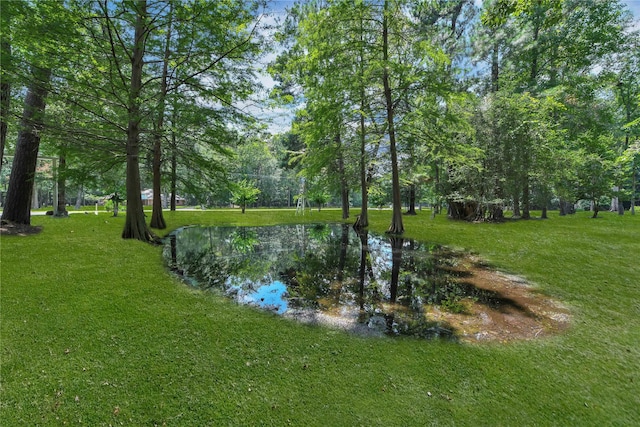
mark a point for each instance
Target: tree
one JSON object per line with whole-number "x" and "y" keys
{"x": 630, "y": 161}
{"x": 438, "y": 120}
{"x": 208, "y": 58}
{"x": 396, "y": 226}
{"x": 318, "y": 196}
{"x": 61, "y": 209}
{"x": 5, "y": 83}
{"x": 188, "y": 68}
{"x": 18, "y": 202}
{"x": 135, "y": 226}
{"x": 595, "y": 179}
{"x": 157, "y": 219}
{"x": 410, "y": 66}
{"x": 244, "y": 193}
{"x": 627, "y": 94}
{"x": 30, "y": 60}
{"x": 338, "y": 92}
{"x": 391, "y": 66}
{"x": 321, "y": 75}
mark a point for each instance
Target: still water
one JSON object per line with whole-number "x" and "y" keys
{"x": 328, "y": 274}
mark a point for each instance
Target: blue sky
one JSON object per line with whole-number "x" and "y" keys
{"x": 634, "y": 6}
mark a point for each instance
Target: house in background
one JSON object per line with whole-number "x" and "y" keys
{"x": 147, "y": 199}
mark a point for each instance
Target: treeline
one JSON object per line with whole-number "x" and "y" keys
{"x": 517, "y": 104}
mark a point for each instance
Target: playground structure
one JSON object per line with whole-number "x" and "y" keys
{"x": 302, "y": 200}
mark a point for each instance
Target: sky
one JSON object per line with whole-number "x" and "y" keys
{"x": 279, "y": 118}
{"x": 634, "y": 6}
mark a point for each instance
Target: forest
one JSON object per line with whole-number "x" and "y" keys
{"x": 475, "y": 109}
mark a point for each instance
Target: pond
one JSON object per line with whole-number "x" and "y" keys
{"x": 366, "y": 283}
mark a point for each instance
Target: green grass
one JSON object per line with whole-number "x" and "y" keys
{"x": 94, "y": 331}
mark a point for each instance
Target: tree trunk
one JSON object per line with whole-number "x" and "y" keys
{"x": 157, "y": 219}
{"x": 135, "y": 226}
{"x": 174, "y": 165}
{"x": 634, "y": 184}
{"x": 496, "y": 214}
{"x": 61, "y": 209}
{"x": 495, "y": 65}
{"x": 35, "y": 197}
{"x": 526, "y": 199}
{"x": 22, "y": 179}
{"x": 516, "y": 206}
{"x": 614, "y": 201}
{"x": 412, "y": 200}
{"x": 79, "y": 198}
{"x": 396, "y": 227}
{"x": 566, "y": 208}
{"x": 5, "y": 97}
{"x": 344, "y": 186}
{"x": 464, "y": 210}
{"x": 362, "y": 221}
{"x": 619, "y": 204}
{"x": 436, "y": 172}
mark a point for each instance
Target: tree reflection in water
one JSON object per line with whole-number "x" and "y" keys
{"x": 368, "y": 283}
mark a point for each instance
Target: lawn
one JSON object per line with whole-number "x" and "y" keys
{"x": 94, "y": 331}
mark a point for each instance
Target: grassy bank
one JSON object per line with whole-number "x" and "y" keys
{"x": 95, "y": 332}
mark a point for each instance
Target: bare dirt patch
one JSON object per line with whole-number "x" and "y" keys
{"x": 12, "y": 229}
{"x": 523, "y": 312}
{"x": 505, "y": 308}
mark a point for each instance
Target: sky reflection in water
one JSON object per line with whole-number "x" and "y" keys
{"x": 325, "y": 273}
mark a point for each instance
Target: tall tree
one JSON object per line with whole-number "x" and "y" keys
{"x": 18, "y": 200}
{"x": 627, "y": 94}
{"x": 188, "y": 62}
{"x": 208, "y": 49}
{"x": 135, "y": 226}
{"x": 338, "y": 91}
{"x": 32, "y": 62}
{"x": 61, "y": 177}
{"x": 437, "y": 120}
{"x": 396, "y": 227}
{"x": 5, "y": 85}
{"x": 244, "y": 193}
{"x": 157, "y": 219}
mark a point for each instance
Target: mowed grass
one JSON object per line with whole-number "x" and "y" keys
{"x": 95, "y": 331}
